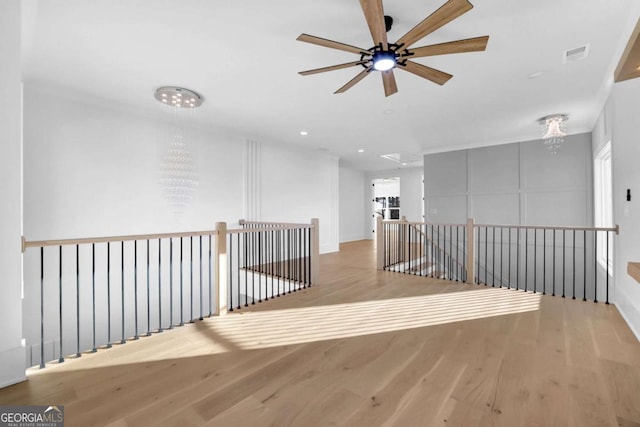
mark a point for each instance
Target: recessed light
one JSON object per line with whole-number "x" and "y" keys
{"x": 389, "y": 111}
{"x": 536, "y": 75}
{"x": 361, "y": 151}
{"x": 304, "y": 133}
{"x": 404, "y": 164}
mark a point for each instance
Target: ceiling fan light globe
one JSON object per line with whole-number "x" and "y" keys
{"x": 384, "y": 64}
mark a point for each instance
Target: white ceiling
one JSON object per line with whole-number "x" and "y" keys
{"x": 243, "y": 57}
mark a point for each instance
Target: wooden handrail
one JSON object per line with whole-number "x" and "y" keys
{"x": 552, "y": 227}
{"x": 280, "y": 227}
{"x": 387, "y": 221}
{"x": 89, "y": 240}
{"x": 285, "y": 224}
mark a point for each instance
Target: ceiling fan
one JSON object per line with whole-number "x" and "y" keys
{"x": 385, "y": 56}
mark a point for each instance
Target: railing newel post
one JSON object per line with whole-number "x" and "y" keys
{"x": 220, "y": 281}
{"x": 379, "y": 243}
{"x": 315, "y": 250}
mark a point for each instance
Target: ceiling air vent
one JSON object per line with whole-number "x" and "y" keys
{"x": 575, "y": 54}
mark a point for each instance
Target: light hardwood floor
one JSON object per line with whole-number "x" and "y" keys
{"x": 365, "y": 348}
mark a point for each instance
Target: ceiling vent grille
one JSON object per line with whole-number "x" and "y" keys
{"x": 575, "y": 54}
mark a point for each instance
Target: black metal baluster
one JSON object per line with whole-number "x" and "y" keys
{"x": 78, "y": 301}
{"x": 564, "y": 259}
{"x": 535, "y": 260}
{"x": 42, "y": 307}
{"x": 493, "y": 257}
{"x": 210, "y": 280}
{"x": 61, "y": 359}
{"x": 509, "y": 262}
{"x": 478, "y": 255}
{"x": 607, "y": 234}
{"x": 554, "y": 264}
{"x": 181, "y": 286}
{"x": 123, "y": 340}
{"x": 160, "y": 285}
{"x": 200, "y": 270}
{"x": 526, "y": 259}
{"x": 229, "y": 283}
{"x": 518, "y": 259}
{"x": 93, "y": 293}
{"x": 465, "y": 273}
{"x": 171, "y": 282}
{"x": 238, "y": 272}
{"x": 148, "y": 290}
{"x": 501, "y": 253}
{"x": 544, "y": 261}
{"x": 260, "y": 266}
{"x": 486, "y": 255}
{"x": 135, "y": 288}
{"x": 291, "y": 247}
{"x": 584, "y": 265}
{"x": 452, "y": 259}
{"x": 108, "y": 294}
{"x": 253, "y": 268}
{"x": 595, "y": 265}
{"x": 191, "y": 279}
{"x": 246, "y": 270}
{"x": 574, "y": 264}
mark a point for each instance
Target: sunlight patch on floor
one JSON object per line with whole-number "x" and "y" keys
{"x": 253, "y": 330}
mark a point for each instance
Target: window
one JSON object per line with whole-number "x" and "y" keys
{"x": 603, "y": 201}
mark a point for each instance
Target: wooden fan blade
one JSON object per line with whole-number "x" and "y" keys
{"x": 389, "y": 82}
{"x": 331, "y": 68}
{"x": 332, "y": 44}
{"x": 428, "y": 73}
{"x": 447, "y": 13}
{"x": 353, "y": 81}
{"x": 476, "y": 44}
{"x": 374, "y": 15}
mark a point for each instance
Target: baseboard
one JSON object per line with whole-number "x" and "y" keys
{"x": 12, "y": 369}
{"x": 629, "y": 313}
{"x": 353, "y": 238}
{"x": 325, "y": 249}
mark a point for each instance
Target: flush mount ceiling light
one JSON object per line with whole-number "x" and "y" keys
{"x": 554, "y": 129}
{"x": 178, "y": 97}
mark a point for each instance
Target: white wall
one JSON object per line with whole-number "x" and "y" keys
{"x": 297, "y": 185}
{"x": 354, "y": 222}
{"x": 626, "y": 175}
{"x": 519, "y": 183}
{"x": 92, "y": 169}
{"x": 11, "y": 350}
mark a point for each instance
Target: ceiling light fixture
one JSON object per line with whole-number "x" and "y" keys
{"x": 177, "y": 94}
{"x": 384, "y": 60}
{"x": 361, "y": 151}
{"x": 304, "y": 133}
{"x": 554, "y": 129}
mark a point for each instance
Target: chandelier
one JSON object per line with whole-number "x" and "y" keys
{"x": 178, "y": 169}
{"x": 554, "y": 129}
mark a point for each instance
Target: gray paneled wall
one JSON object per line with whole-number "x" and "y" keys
{"x": 519, "y": 183}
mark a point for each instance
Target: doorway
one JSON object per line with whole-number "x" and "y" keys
{"x": 385, "y": 200}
